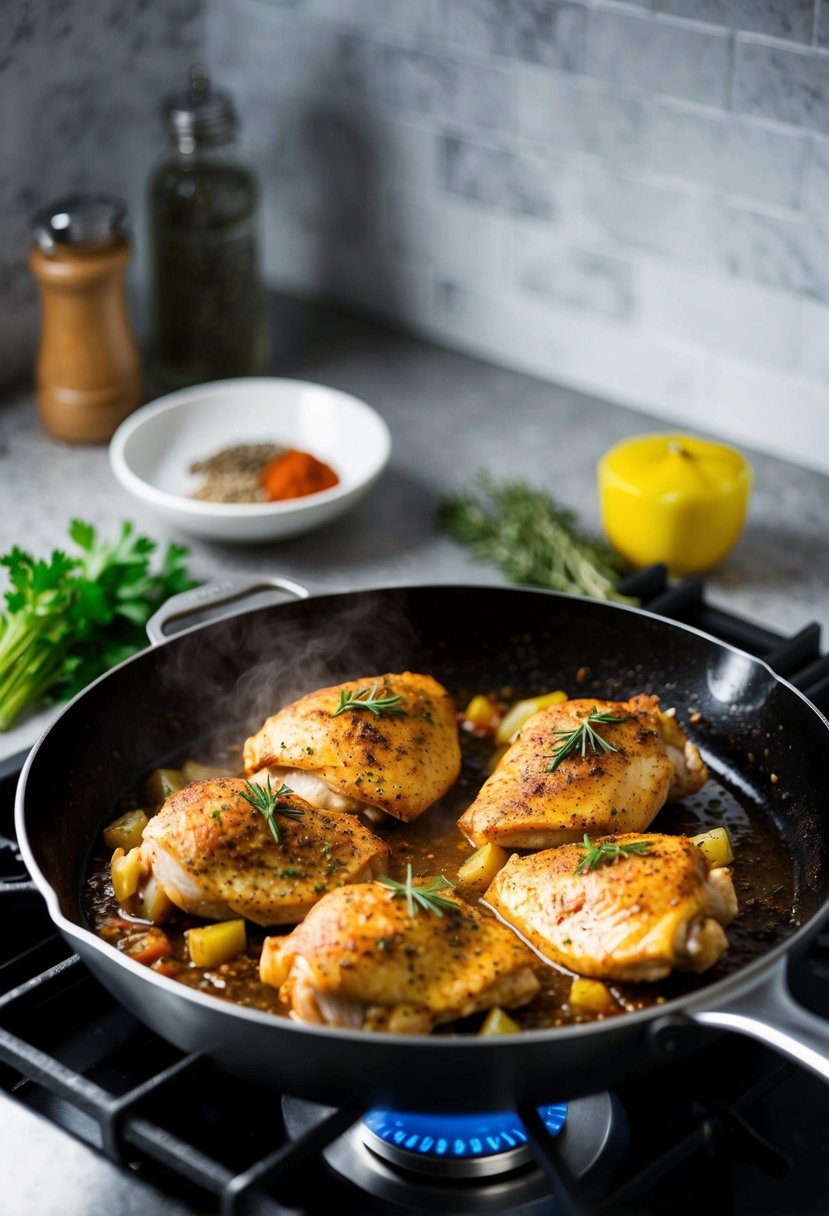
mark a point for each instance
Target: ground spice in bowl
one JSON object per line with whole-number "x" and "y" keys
{"x": 296, "y": 474}
{"x": 260, "y": 472}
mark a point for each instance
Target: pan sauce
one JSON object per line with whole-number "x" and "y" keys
{"x": 762, "y": 870}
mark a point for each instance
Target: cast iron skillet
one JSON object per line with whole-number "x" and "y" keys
{"x": 238, "y": 668}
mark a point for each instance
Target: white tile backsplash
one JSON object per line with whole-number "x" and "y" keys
{"x": 629, "y": 196}
{"x": 738, "y": 319}
{"x": 627, "y": 213}
{"x": 574, "y": 114}
{"x": 660, "y": 56}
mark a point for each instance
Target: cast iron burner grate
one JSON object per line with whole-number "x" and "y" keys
{"x": 734, "y": 1131}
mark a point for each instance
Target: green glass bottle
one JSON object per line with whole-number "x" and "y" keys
{"x": 209, "y": 308}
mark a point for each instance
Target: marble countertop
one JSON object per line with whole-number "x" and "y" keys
{"x": 449, "y": 416}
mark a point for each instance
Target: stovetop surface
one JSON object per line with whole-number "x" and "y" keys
{"x": 98, "y": 1114}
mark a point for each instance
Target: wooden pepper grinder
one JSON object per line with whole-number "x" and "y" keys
{"x": 88, "y": 368}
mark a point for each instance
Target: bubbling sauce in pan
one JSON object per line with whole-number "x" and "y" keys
{"x": 762, "y": 871}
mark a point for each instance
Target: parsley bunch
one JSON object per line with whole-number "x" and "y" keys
{"x": 71, "y": 618}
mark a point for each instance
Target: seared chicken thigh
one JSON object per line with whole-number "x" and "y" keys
{"x": 334, "y": 751}
{"x": 214, "y": 853}
{"x": 538, "y": 797}
{"x": 634, "y": 918}
{"x": 360, "y": 960}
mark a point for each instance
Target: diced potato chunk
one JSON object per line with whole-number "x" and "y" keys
{"x": 498, "y": 1022}
{"x": 716, "y": 845}
{"x": 126, "y": 873}
{"x": 479, "y": 870}
{"x": 521, "y": 711}
{"x": 126, "y": 831}
{"x": 591, "y": 996}
{"x": 481, "y": 715}
{"x": 153, "y": 901}
{"x": 191, "y": 770}
{"x": 215, "y": 944}
{"x": 163, "y": 782}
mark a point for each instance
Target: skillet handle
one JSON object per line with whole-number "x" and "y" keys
{"x": 769, "y": 1012}
{"x": 200, "y": 600}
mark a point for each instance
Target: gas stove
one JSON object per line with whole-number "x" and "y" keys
{"x": 97, "y": 1114}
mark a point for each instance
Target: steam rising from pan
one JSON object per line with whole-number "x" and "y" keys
{"x": 260, "y": 661}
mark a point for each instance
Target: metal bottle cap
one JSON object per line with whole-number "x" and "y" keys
{"x": 200, "y": 115}
{"x": 80, "y": 219}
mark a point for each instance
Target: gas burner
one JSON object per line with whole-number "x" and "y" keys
{"x": 416, "y": 1161}
{"x": 455, "y": 1146}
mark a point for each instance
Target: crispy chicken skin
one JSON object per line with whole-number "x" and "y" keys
{"x": 635, "y": 918}
{"x": 397, "y": 763}
{"x": 523, "y": 805}
{"x": 214, "y": 854}
{"x": 359, "y": 960}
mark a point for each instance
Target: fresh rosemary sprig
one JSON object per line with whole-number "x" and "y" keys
{"x": 427, "y": 896}
{"x": 610, "y": 850}
{"x": 366, "y": 698}
{"x": 266, "y": 800}
{"x": 532, "y": 539}
{"x": 582, "y": 737}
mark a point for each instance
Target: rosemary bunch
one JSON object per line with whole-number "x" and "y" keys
{"x": 532, "y": 539}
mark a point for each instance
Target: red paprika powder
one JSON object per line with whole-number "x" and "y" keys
{"x": 296, "y": 474}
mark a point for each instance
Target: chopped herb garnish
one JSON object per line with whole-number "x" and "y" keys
{"x": 327, "y": 847}
{"x": 385, "y": 943}
{"x": 267, "y": 801}
{"x": 774, "y": 890}
{"x": 217, "y": 815}
{"x": 319, "y": 888}
{"x": 366, "y": 698}
{"x": 292, "y": 872}
{"x": 427, "y": 896}
{"x": 582, "y": 737}
{"x": 608, "y": 851}
{"x": 715, "y": 808}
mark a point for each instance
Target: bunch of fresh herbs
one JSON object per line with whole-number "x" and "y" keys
{"x": 70, "y": 618}
{"x": 532, "y": 539}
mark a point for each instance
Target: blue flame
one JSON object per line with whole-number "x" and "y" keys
{"x": 459, "y": 1135}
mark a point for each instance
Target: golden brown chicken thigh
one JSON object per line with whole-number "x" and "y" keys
{"x": 398, "y": 760}
{"x": 360, "y": 960}
{"x": 215, "y": 855}
{"x": 537, "y": 798}
{"x": 634, "y": 918}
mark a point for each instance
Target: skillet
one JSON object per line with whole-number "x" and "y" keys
{"x": 760, "y": 736}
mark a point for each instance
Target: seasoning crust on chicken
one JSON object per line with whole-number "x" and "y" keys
{"x": 635, "y": 918}
{"x": 531, "y": 802}
{"x": 399, "y": 760}
{"x": 215, "y": 856}
{"x": 359, "y": 960}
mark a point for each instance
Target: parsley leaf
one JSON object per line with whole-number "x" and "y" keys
{"x": 70, "y": 618}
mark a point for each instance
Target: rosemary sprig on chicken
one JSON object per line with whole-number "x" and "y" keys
{"x": 608, "y": 851}
{"x": 582, "y": 737}
{"x": 366, "y": 698}
{"x": 267, "y": 801}
{"x": 427, "y": 896}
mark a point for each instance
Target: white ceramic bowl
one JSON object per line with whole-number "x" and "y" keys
{"x": 151, "y": 452}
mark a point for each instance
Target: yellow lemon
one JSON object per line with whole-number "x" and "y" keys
{"x": 674, "y": 499}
